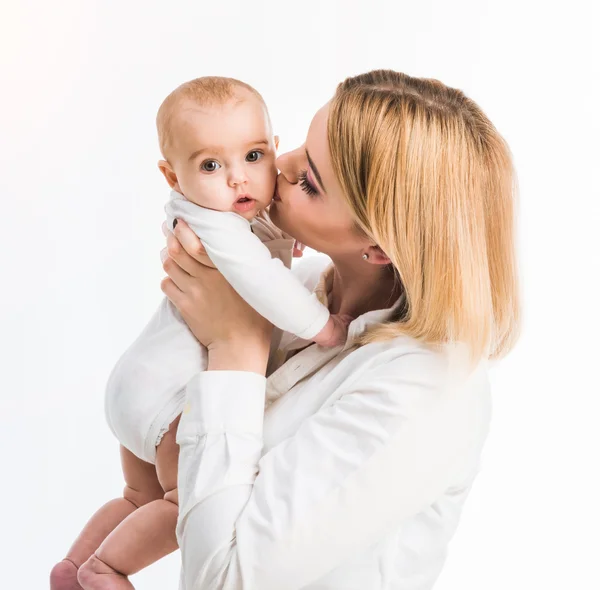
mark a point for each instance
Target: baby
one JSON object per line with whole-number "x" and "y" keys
{"x": 215, "y": 135}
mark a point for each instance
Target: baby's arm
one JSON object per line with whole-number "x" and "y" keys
{"x": 335, "y": 331}
{"x": 264, "y": 282}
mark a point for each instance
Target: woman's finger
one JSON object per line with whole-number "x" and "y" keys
{"x": 172, "y": 291}
{"x": 181, "y": 257}
{"x": 189, "y": 240}
{"x": 177, "y": 274}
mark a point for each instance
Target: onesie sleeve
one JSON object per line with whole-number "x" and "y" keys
{"x": 245, "y": 261}
{"x": 351, "y": 473}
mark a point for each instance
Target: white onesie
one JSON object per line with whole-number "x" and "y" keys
{"x": 146, "y": 388}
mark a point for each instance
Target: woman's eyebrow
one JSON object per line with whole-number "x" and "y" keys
{"x": 314, "y": 168}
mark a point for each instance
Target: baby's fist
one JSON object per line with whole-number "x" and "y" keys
{"x": 335, "y": 331}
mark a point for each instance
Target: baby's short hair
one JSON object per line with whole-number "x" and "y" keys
{"x": 205, "y": 91}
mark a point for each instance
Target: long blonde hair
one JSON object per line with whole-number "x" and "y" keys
{"x": 431, "y": 181}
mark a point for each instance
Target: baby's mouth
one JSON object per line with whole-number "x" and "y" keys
{"x": 244, "y": 203}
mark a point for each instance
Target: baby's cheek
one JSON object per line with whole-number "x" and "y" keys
{"x": 211, "y": 197}
{"x": 268, "y": 181}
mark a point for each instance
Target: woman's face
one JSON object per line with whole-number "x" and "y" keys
{"x": 312, "y": 208}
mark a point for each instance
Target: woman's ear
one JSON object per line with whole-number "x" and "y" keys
{"x": 168, "y": 173}
{"x": 377, "y": 255}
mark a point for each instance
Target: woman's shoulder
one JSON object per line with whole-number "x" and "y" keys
{"x": 421, "y": 375}
{"x": 431, "y": 390}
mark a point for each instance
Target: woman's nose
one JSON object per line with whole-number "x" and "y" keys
{"x": 285, "y": 164}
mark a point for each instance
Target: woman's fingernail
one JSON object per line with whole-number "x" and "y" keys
{"x": 174, "y": 223}
{"x": 163, "y": 254}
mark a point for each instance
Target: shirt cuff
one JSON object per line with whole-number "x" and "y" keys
{"x": 223, "y": 401}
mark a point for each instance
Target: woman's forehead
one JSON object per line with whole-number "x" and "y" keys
{"x": 317, "y": 146}
{"x": 318, "y": 125}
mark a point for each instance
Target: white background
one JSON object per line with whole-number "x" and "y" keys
{"x": 82, "y": 202}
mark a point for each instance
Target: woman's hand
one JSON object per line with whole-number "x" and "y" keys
{"x": 201, "y": 255}
{"x": 217, "y": 316}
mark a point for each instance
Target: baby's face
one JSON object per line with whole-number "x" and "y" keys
{"x": 223, "y": 152}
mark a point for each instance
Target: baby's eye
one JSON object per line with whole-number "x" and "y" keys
{"x": 254, "y": 156}
{"x": 210, "y": 165}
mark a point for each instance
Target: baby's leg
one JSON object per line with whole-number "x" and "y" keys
{"x": 147, "y": 534}
{"x": 142, "y": 487}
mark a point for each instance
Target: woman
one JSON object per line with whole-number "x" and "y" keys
{"x": 355, "y": 476}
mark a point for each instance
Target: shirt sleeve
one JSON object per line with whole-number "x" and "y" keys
{"x": 382, "y": 452}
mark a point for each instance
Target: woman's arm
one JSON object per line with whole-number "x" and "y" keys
{"x": 242, "y": 356}
{"x": 350, "y": 474}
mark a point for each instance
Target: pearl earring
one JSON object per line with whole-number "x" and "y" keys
{"x": 365, "y": 256}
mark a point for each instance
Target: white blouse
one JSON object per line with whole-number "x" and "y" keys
{"x": 344, "y": 469}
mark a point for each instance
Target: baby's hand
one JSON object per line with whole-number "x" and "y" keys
{"x": 335, "y": 331}
{"x": 298, "y": 250}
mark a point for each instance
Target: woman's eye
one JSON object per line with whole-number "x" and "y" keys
{"x": 254, "y": 156}
{"x": 210, "y": 165}
{"x": 306, "y": 186}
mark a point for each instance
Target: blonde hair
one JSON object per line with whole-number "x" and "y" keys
{"x": 431, "y": 181}
{"x": 205, "y": 91}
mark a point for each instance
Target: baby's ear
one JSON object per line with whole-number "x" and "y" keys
{"x": 168, "y": 173}
{"x": 276, "y": 140}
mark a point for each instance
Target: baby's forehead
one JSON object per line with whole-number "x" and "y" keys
{"x": 221, "y": 126}
{"x": 186, "y": 109}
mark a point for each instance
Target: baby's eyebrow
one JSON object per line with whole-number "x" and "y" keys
{"x": 220, "y": 149}
{"x": 198, "y": 152}
{"x": 260, "y": 141}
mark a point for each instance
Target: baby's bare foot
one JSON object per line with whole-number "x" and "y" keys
{"x": 94, "y": 574}
{"x": 64, "y": 576}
